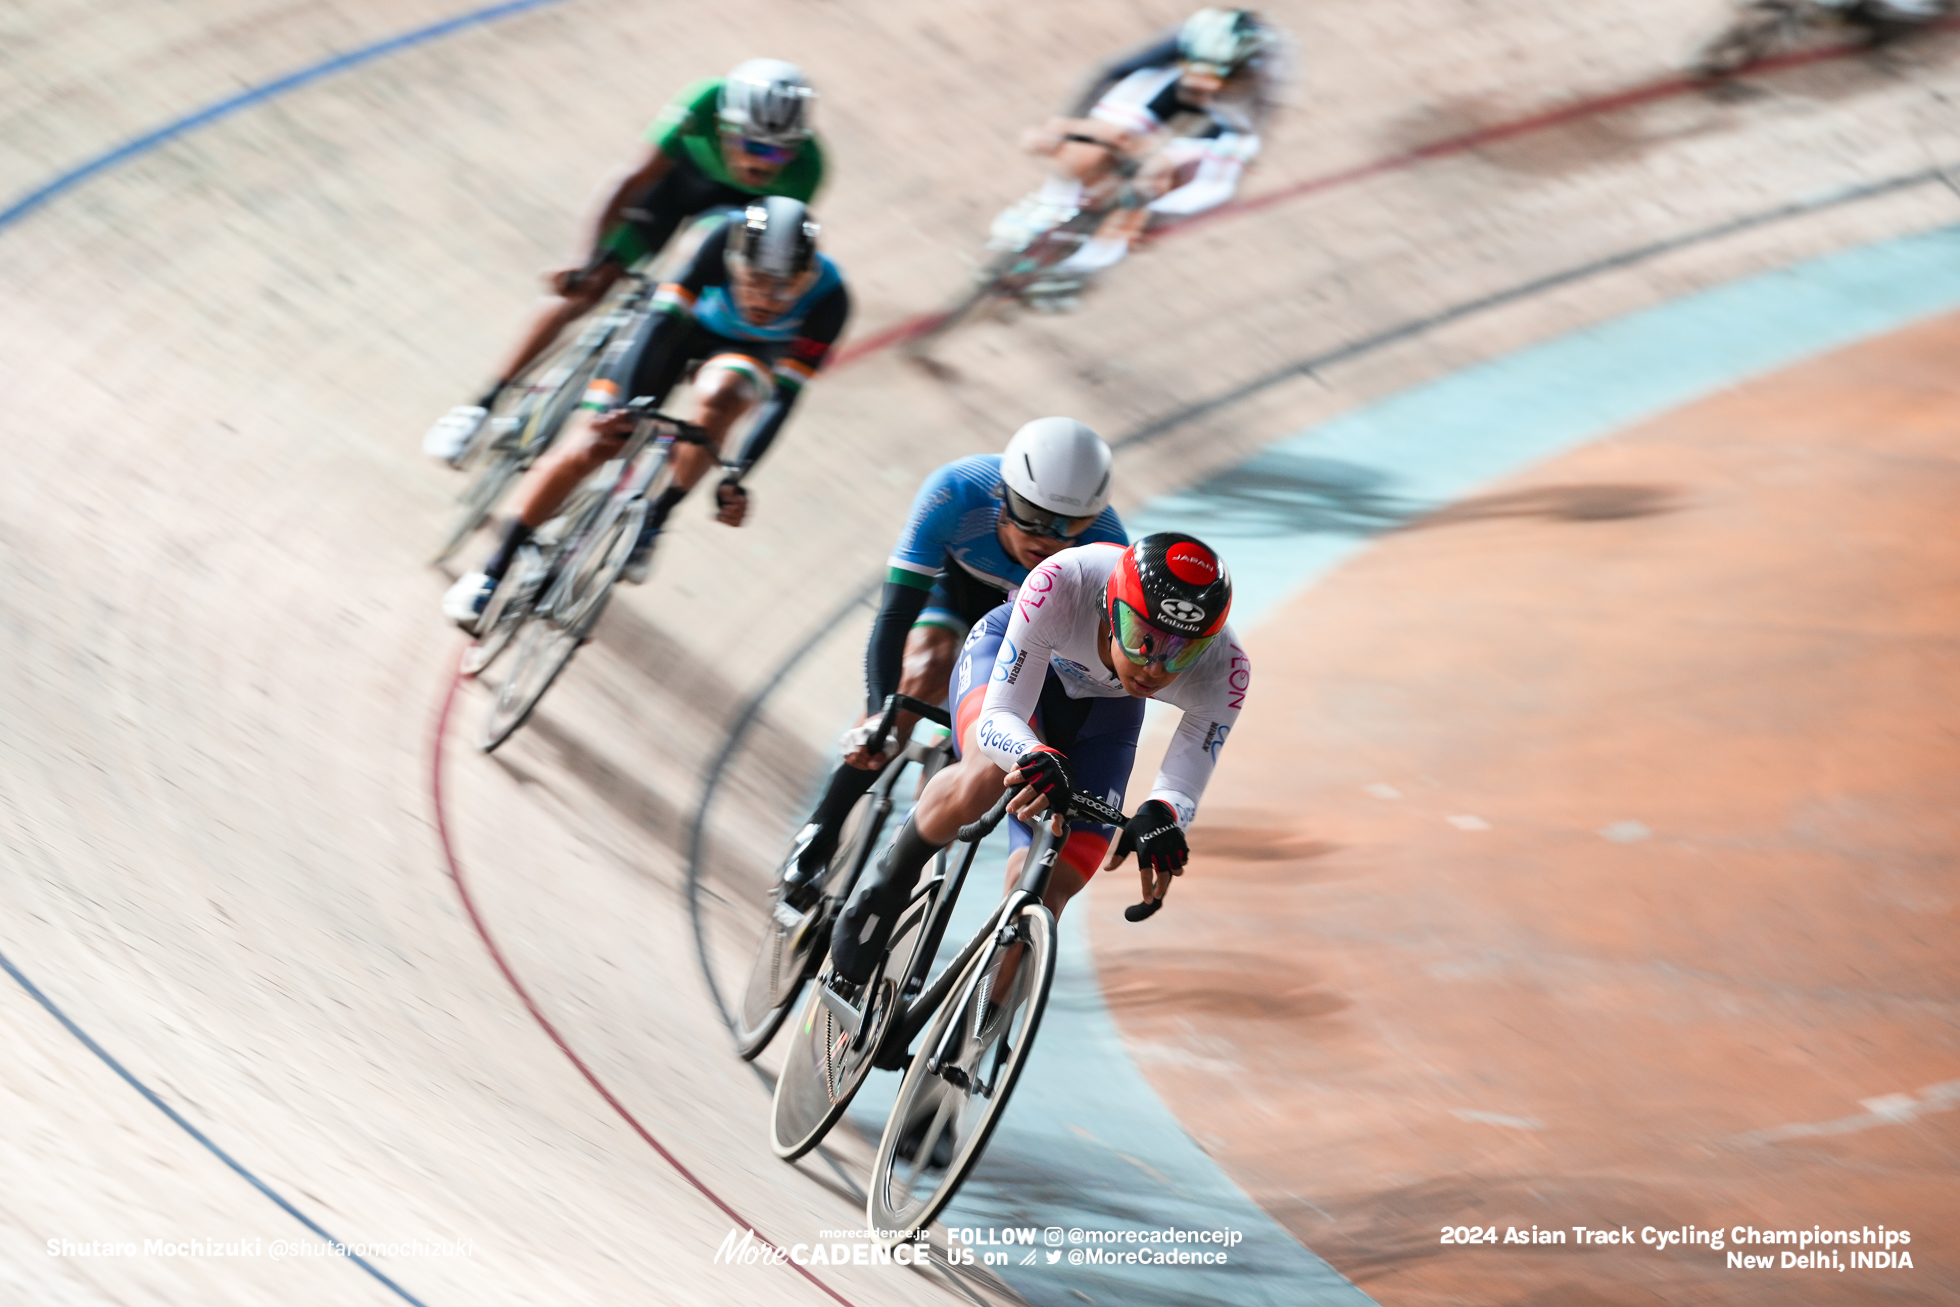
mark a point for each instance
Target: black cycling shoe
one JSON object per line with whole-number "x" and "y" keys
{"x": 850, "y": 991}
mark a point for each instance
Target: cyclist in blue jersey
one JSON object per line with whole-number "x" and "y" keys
{"x": 754, "y": 314}
{"x": 977, "y": 526}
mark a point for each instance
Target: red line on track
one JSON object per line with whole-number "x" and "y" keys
{"x": 537, "y": 1014}
{"x": 1644, "y": 93}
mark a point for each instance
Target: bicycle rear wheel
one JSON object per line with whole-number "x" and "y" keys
{"x": 825, "y": 1062}
{"x": 562, "y": 621}
{"x": 568, "y": 385}
{"x": 793, "y": 943}
{"x": 960, "y": 1079}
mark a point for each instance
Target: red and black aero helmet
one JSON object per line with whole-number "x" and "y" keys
{"x": 1177, "y": 593}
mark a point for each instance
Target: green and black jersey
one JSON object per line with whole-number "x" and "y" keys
{"x": 689, "y": 128}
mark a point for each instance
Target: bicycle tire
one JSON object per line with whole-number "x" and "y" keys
{"x": 552, "y": 633}
{"x": 933, "y": 1097}
{"x": 476, "y": 501}
{"x": 557, "y": 407}
{"x": 790, "y": 951}
{"x": 511, "y": 603}
{"x": 539, "y": 419}
{"x": 823, "y": 1069}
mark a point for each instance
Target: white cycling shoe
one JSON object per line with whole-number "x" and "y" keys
{"x": 450, "y": 437}
{"x": 465, "y": 601}
{"x": 1018, "y": 225}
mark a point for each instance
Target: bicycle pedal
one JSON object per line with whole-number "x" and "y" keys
{"x": 956, "y": 1077}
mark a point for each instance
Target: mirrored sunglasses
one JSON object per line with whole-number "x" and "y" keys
{"x": 1025, "y": 515}
{"x": 1144, "y": 644}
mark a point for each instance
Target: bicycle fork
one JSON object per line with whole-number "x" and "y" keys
{"x": 1034, "y": 881}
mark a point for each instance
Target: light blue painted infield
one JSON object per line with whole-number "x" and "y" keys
{"x": 1309, "y": 501}
{"x": 1087, "y": 1144}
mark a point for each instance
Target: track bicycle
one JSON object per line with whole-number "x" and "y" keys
{"x": 556, "y": 589}
{"x": 836, "y": 1042}
{"x": 980, "y": 1019}
{"x": 796, "y": 927}
{"x": 511, "y": 441}
{"x": 1761, "y": 28}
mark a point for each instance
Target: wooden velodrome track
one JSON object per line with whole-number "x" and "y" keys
{"x": 224, "y": 661}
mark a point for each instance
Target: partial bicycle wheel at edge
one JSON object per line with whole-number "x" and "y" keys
{"x": 936, "y": 1111}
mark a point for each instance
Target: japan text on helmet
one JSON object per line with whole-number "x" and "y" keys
{"x": 767, "y": 100}
{"x": 1175, "y": 583}
{"x": 1224, "y": 40}
{"x": 1056, "y": 467}
{"x": 775, "y": 236}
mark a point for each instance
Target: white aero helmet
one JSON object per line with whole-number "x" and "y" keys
{"x": 767, "y": 101}
{"x": 1058, "y": 467}
{"x": 1222, "y": 39}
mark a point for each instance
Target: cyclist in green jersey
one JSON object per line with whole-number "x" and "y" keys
{"x": 719, "y": 144}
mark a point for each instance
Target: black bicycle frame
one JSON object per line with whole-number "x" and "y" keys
{"x": 1032, "y": 888}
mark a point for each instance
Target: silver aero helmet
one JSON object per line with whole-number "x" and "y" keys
{"x": 768, "y": 101}
{"x": 1053, "y": 471}
{"x": 775, "y": 237}
{"x": 1224, "y": 40}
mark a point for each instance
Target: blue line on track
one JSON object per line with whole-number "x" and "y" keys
{"x": 68, "y": 181}
{"x": 35, "y": 993}
{"x": 252, "y": 95}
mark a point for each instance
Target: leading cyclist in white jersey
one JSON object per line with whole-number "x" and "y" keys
{"x": 1048, "y": 693}
{"x": 1188, "y": 110}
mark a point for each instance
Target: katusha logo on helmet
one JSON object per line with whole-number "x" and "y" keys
{"x": 1182, "y": 611}
{"x": 1191, "y": 563}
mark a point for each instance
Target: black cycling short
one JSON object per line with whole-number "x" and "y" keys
{"x": 632, "y": 370}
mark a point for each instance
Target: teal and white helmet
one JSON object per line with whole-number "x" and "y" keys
{"x": 1223, "y": 40}
{"x": 767, "y": 101}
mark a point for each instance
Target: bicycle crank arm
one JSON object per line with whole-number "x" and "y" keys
{"x": 846, "y": 1016}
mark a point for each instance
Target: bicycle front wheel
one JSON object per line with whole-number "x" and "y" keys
{"x": 562, "y": 621}
{"x": 961, "y": 1076}
{"x": 793, "y": 943}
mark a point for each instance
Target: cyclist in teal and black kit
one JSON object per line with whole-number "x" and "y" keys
{"x": 977, "y": 526}
{"x": 719, "y": 145}
{"x": 754, "y": 313}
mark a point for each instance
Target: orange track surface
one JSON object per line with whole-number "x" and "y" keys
{"x": 1590, "y": 860}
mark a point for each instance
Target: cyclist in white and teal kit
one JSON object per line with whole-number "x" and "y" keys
{"x": 977, "y": 526}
